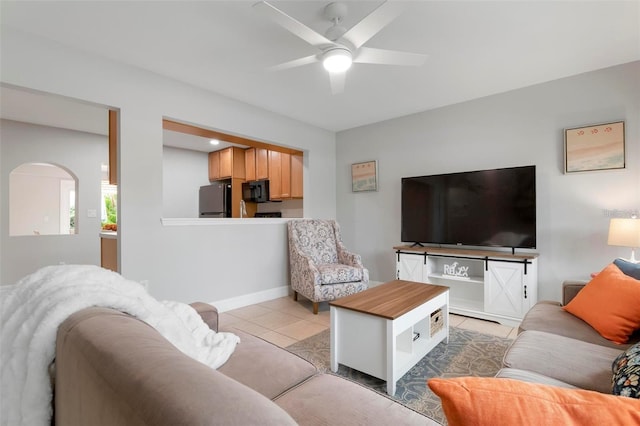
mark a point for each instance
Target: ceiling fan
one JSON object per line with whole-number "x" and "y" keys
{"x": 340, "y": 47}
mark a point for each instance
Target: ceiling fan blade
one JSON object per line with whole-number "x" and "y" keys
{"x": 360, "y": 33}
{"x": 291, "y": 24}
{"x": 368, "y": 55}
{"x": 295, "y": 63}
{"x": 337, "y": 82}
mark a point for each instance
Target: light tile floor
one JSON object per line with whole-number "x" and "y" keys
{"x": 284, "y": 322}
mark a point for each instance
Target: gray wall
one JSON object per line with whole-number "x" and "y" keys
{"x": 79, "y": 152}
{"x": 185, "y": 262}
{"x": 517, "y": 128}
{"x": 183, "y": 173}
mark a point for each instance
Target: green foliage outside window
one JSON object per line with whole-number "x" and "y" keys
{"x": 111, "y": 206}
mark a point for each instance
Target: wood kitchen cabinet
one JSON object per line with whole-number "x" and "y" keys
{"x": 256, "y": 163}
{"x": 227, "y": 163}
{"x": 275, "y": 175}
{"x": 109, "y": 253}
{"x": 262, "y": 163}
{"x": 250, "y": 163}
{"x": 279, "y": 175}
{"x": 296, "y": 176}
{"x": 214, "y": 165}
{"x": 285, "y": 175}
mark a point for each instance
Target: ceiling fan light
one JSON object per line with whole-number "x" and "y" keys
{"x": 337, "y": 60}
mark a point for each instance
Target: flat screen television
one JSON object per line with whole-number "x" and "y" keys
{"x": 494, "y": 208}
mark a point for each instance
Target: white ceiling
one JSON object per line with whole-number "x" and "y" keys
{"x": 476, "y": 48}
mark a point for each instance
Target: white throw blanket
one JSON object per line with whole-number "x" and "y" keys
{"x": 33, "y": 309}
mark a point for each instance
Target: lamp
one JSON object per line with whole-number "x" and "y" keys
{"x": 625, "y": 233}
{"x": 338, "y": 59}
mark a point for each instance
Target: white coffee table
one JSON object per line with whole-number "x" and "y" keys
{"x": 384, "y": 331}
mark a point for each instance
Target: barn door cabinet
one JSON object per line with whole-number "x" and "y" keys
{"x": 496, "y": 286}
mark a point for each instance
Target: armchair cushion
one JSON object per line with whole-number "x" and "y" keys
{"x": 337, "y": 273}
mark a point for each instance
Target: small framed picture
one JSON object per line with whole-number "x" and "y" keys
{"x": 598, "y": 147}
{"x": 364, "y": 176}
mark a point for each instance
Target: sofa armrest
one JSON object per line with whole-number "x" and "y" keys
{"x": 208, "y": 312}
{"x": 570, "y": 288}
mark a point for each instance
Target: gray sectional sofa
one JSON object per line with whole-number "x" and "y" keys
{"x": 112, "y": 369}
{"x": 556, "y": 348}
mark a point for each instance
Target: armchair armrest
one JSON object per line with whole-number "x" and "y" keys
{"x": 348, "y": 258}
{"x": 209, "y": 314}
{"x": 570, "y": 288}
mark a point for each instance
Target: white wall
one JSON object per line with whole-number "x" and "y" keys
{"x": 80, "y": 153}
{"x": 34, "y": 201}
{"x": 207, "y": 263}
{"x": 183, "y": 173}
{"x": 517, "y": 128}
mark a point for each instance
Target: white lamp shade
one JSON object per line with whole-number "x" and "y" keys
{"x": 337, "y": 60}
{"x": 624, "y": 232}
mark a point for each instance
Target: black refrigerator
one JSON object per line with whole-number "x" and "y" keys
{"x": 215, "y": 199}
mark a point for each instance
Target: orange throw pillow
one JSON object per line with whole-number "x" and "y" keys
{"x": 477, "y": 401}
{"x": 610, "y": 303}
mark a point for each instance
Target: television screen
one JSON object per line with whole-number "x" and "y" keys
{"x": 480, "y": 208}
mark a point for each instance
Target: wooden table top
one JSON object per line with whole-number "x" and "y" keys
{"x": 390, "y": 300}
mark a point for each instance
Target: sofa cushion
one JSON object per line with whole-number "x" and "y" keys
{"x": 531, "y": 377}
{"x": 491, "y": 401}
{"x": 265, "y": 367}
{"x": 549, "y": 317}
{"x": 572, "y": 361}
{"x": 626, "y": 373}
{"x": 330, "y": 400}
{"x": 628, "y": 268}
{"x": 609, "y": 303}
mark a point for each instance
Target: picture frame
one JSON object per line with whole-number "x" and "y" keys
{"x": 364, "y": 176}
{"x": 595, "y": 147}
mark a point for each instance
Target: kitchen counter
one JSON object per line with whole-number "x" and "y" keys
{"x": 109, "y": 234}
{"x": 224, "y": 221}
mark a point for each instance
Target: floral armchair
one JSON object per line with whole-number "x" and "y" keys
{"x": 321, "y": 268}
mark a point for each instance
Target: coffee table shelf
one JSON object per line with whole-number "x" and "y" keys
{"x": 374, "y": 331}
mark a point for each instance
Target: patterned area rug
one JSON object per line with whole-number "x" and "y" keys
{"x": 468, "y": 353}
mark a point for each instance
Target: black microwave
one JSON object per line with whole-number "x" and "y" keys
{"x": 256, "y": 191}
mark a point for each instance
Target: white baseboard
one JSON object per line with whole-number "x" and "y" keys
{"x": 250, "y": 299}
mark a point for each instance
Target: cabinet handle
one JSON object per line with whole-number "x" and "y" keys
{"x": 525, "y": 291}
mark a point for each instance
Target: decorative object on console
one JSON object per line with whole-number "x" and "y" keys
{"x": 453, "y": 270}
{"x": 609, "y": 303}
{"x": 598, "y": 147}
{"x": 625, "y": 232}
{"x": 364, "y": 176}
{"x": 626, "y": 373}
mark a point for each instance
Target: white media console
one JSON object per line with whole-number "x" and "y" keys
{"x": 486, "y": 284}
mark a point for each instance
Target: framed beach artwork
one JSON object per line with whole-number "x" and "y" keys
{"x": 364, "y": 176}
{"x": 598, "y": 147}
